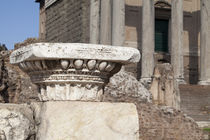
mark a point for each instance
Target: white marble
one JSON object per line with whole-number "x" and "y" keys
{"x": 177, "y": 39}
{"x": 87, "y": 120}
{"x": 50, "y": 51}
{"x": 65, "y": 71}
{"x": 106, "y": 22}
{"x": 94, "y": 21}
{"x": 148, "y": 45}
{"x": 205, "y": 43}
{"x": 118, "y": 22}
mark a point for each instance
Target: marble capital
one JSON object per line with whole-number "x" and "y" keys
{"x": 72, "y": 71}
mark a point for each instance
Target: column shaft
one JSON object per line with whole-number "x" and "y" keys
{"x": 205, "y": 43}
{"x": 106, "y": 22}
{"x": 94, "y": 21}
{"x": 118, "y": 22}
{"x": 177, "y": 39}
{"x": 147, "y": 62}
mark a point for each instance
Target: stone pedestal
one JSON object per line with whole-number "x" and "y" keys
{"x": 205, "y": 43}
{"x": 87, "y": 120}
{"x": 65, "y": 71}
{"x": 147, "y": 62}
{"x": 177, "y": 39}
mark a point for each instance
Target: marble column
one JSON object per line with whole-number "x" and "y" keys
{"x": 106, "y": 22}
{"x": 94, "y": 21}
{"x": 42, "y": 21}
{"x": 147, "y": 63}
{"x": 205, "y": 43}
{"x": 118, "y": 23}
{"x": 177, "y": 39}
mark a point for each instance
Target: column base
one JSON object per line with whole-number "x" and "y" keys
{"x": 207, "y": 82}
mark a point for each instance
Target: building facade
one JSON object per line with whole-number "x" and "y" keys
{"x": 174, "y": 31}
{"x": 165, "y": 31}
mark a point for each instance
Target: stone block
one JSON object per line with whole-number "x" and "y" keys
{"x": 87, "y": 120}
{"x": 16, "y": 122}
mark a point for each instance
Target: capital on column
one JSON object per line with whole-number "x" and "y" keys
{"x": 71, "y": 71}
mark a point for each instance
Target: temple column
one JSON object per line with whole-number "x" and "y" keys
{"x": 106, "y": 22}
{"x": 205, "y": 43}
{"x": 94, "y": 21}
{"x": 118, "y": 23}
{"x": 177, "y": 39}
{"x": 147, "y": 63}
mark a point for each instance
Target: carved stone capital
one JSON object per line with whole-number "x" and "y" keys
{"x": 68, "y": 71}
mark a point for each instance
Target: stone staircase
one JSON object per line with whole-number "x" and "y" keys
{"x": 195, "y": 101}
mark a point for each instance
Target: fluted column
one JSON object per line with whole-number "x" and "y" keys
{"x": 205, "y": 43}
{"x": 177, "y": 39}
{"x": 118, "y": 22}
{"x": 147, "y": 63}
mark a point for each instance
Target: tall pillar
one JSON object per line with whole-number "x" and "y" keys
{"x": 42, "y": 21}
{"x": 177, "y": 39}
{"x": 94, "y": 21}
{"x": 118, "y": 23}
{"x": 106, "y": 22}
{"x": 205, "y": 43}
{"x": 147, "y": 63}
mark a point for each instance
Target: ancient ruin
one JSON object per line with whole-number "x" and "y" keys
{"x": 71, "y": 82}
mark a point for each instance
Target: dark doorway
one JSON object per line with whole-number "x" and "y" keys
{"x": 161, "y": 35}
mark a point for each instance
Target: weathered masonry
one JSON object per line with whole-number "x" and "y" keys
{"x": 164, "y": 30}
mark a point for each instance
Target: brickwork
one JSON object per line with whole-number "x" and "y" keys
{"x": 68, "y": 21}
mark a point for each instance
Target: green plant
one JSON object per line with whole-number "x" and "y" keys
{"x": 206, "y": 129}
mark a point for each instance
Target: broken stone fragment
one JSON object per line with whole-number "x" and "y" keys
{"x": 16, "y": 122}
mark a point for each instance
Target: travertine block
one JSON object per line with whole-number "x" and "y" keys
{"x": 88, "y": 120}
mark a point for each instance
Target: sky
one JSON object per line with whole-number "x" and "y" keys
{"x": 19, "y": 20}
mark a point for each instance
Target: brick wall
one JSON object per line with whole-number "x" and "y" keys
{"x": 68, "y": 21}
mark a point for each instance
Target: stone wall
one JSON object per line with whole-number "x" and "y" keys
{"x": 68, "y": 21}
{"x": 15, "y": 85}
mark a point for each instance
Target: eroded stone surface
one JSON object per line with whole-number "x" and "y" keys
{"x": 16, "y": 122}
{"x": 123, "y": 86}
{"x": 161, "y": 123}
{"x": 164, "y": 86}
{"x": 87, "y": 120}
{"x": 71, "y": 71}
{"x": 15, "y": 85}
{"x": 40, "y": 51}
